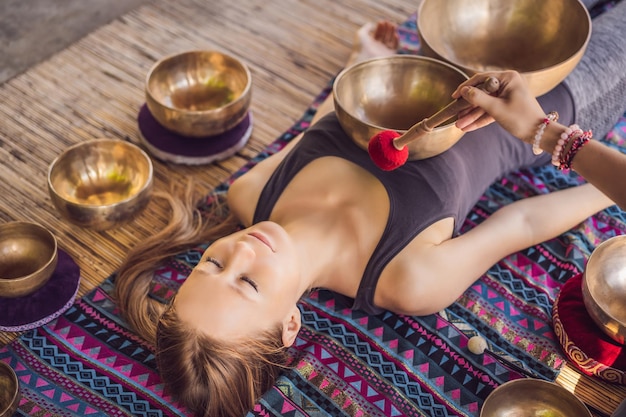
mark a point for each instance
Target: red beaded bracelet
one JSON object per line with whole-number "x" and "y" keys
{"x": 577, "y": 143}
{"x": 566, "y": 136}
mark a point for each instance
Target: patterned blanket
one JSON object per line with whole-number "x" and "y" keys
{"x": 345, "y": 363}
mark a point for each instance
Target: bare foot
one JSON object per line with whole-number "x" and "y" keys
{"x": 374, "y": 41}
{"x": 371, "y": 41}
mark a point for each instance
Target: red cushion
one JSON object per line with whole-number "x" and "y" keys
{"x": 591, "y": 350}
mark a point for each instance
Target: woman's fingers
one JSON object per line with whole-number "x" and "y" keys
{"x": 472, "y": 119}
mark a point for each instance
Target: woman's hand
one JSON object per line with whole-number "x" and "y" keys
{"x": 512, "y": 106}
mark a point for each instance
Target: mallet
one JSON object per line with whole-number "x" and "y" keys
{"x": 388, "y": 148}
{"x": 478, "y": 346}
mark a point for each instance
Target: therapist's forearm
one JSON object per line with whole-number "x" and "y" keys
{"x": 599, "y": 164}
{"x": 605, "y": 168}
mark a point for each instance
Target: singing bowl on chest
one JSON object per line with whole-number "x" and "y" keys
{"x": 394, "y": 93}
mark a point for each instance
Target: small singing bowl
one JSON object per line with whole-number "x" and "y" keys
{"x": 532, "y": 398}
{"x": 541, "y": 39}
{"x": 199, "y": 93}
{"x": 101, "y": 183}
{"x": 394, "y": 93}
{"x": 604, "y": 287}
{"x": 9, "y": 391}
{"x": 28, "y": 258}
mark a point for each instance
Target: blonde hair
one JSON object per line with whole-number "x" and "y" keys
{"x": 210, "y": 377}
{"x": 214, "y": 378}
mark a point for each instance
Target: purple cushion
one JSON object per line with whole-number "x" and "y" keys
{"x": 45, "y": 304}
{"x": 169, "y": 143}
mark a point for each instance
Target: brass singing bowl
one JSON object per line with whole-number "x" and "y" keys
{"x": 394, "y": 93}
{"x": 28, "y": 257}
{"x": 604, "y": 287}
{"x": 532, "y": 398}
{"x": 9, "y": 391}
{"x": 101, "y": 183}
{"x": 199, "y": 93}
{"x": 542, "y": 39}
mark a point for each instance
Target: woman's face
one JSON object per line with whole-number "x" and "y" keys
{"x": 245, "y": 283}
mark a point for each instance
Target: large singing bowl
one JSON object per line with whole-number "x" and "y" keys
{"x": 542, "y": 39}
{"x": 530, "y": 397}
{"x": 28, "y": 258}
{"x": 101, "y": 183}
{"x": 394, "y": 93}
{"x": 9, "y": 391}
{"x": 199, "y": 93}
{"x": 604, "y": 287}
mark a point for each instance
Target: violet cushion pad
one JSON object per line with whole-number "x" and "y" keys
{"x": 45, "y": 304}
{"x": 173, "y": 143}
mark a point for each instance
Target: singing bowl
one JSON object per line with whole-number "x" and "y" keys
{"x": 532, "y": 398}
{"x": 541, "y": 39}
{"x": 394, "y": 93}
{"x": 198, "y": 93}
{"x": 100, "y": 183}
{"x": 604, "y": 287}
{"x": 28, "y": 257}
{"x": 9, "y": 391}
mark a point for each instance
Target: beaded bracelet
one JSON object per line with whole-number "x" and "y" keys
{"x": 577, "y": 144}
{"x": 550, "y": 117}
{"x": 566, "y": 136}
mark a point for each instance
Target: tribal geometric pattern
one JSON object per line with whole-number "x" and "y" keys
{"x": 344, "y": 363}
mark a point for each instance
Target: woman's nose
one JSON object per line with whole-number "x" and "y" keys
{"x": 244, "y": 251}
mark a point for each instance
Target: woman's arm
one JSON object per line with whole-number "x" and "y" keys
{"x": 599, "y": 164}
{"x": 435, "y": 277}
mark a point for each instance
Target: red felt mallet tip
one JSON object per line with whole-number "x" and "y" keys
{"x": 384, "y": 153}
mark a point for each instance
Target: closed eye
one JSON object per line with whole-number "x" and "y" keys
{"x": 243, "y": 277}
{"x": 249, "y": 281}
{"x": 214, "y": 262}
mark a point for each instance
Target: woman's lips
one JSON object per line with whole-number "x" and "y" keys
{"x": 263, "y": 239}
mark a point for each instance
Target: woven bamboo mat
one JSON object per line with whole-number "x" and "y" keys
{"x": 94, "y": 89}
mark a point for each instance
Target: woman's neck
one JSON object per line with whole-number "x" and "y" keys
{"x": 330, "y": 249}
{"x": 335, "y": 225}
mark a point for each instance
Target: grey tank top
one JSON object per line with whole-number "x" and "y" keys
{"x": 420, "y": 192}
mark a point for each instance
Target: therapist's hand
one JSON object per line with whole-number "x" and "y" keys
{"x": 513, "y": 106}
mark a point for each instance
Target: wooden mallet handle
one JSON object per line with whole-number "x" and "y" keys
{"x": 490, "y": 85}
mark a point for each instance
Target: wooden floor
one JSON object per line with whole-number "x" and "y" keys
{"x": 94, "y": 89}
{"x": 37, "y": 29}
